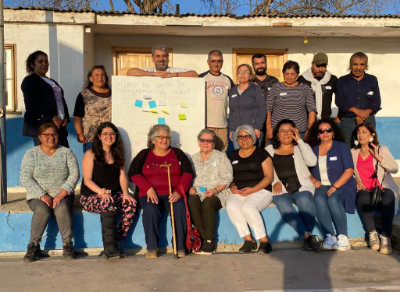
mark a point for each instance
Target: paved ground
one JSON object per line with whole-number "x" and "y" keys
{"x": 282, "y": 270}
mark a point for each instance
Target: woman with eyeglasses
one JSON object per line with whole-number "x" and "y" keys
{"x": 335, "y": 186}
{"x": 246, "y": 105}
{"x": 251, "y": 190}
{"x": 291, "y": 158}
{"x": 291, "y": 99}
{"x": 104, "y": 188}
{"x": 49, "y": 173}
{"x": 149, "y": 172}
{"x": 210, "y": 188}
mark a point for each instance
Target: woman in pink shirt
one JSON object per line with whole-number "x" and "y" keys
{"x": 367, "y": 156}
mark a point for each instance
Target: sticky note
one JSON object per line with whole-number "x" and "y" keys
{"x": 165, "y": 111}
{"x": 161, "y": 102}
{"x": 152, "y": 104}
{"x": 183, "y": 104}
{"x": 161, "y": 121}
{"x": 145, "y": 109}
{"x": 154, "y": 111}
{"x": 202, "y": 189}
{"x": 146, "y": 96}
{"x": 138, "y": 103}
{"x": 182, "y": 116}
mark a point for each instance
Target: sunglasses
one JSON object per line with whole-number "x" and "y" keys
{"x": 209, "y": 141}
{"x": 321, "y": 131}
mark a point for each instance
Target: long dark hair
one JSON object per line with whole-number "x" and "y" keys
{"x": 31, "y": 61}
{"x": 371, "y": 129}
{"x": 117, "y": 149}
{"x": 89, "y": 83}
{"x": 312, "y": 138}
{"x": 275, "y": 140}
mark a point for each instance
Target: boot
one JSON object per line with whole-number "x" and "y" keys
{"x": 68, "y": 251}
{"x": 32, "y": 252}
{"x": 109, "y": 231}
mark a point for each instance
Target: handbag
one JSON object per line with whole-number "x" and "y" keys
{"x": 377, "y": 192}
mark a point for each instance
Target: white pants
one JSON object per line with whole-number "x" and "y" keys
{"x": 244, "y": 211}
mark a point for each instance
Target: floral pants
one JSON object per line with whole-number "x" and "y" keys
{"x": 94, "y": 204}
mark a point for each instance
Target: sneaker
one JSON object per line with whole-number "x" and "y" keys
{"x": 264, "y": 248}
{"x": 330, "y": 243}
{"x": 314, "y": 243}
{"x": 207, "y": 248}
{"x": 151, "y": 254}
{"x": 111, "y": 252}
{"x": 386, "y": 245}
{"x": 68, "y": 251}
{"x": 374, "y": 242}
{"x": 181, "y": 253}
{"x": 343, "y": 243}
{"x": 32, "y": 252}
{"x": 248, "y": 246}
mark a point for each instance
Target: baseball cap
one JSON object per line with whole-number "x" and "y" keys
{"x": 320, "y": 58}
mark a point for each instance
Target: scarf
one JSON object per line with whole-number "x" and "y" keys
{"x": 316, "y": 87}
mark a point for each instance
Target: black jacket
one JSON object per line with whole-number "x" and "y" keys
{"x": 40, "y": 105}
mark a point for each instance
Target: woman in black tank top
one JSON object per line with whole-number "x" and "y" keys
{"x": 104, "y": 187}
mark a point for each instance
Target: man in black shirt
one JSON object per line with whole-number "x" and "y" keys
{"x": 323, "y": 84}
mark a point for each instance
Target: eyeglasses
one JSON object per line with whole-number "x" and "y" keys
{"x": 48, "y": 135}
{"x": 112, "y": 134}
{"x": 321, "y": 131}
{"x": 168, "y": 138}
{"x": 285, "y": 131}
{"x": 244, "y": 137}
{"x": 243, "y": 72}
{"x": 208, "y": 141}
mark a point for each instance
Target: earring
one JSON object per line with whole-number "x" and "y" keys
{"x": 333, "y": 136}
{"x": 356, "y": 142}
{"x": 371, "y": 140}
{"x": 278, "y": 139}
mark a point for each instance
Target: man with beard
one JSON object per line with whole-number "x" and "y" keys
{"x": 217, "y": 89}
{"x": 357, "y": 96}
{"x": 161, "y": 69}
{"x": 323, "y": 84}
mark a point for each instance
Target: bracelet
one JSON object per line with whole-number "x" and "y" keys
{"x": 314, "y": 181}
{"x": 334, "y": 187}
{"x": 216, "y": 190}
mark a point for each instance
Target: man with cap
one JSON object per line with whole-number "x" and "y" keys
{"x": 323, "y": 83}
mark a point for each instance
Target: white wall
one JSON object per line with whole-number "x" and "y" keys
{"x": 191, "y": 53}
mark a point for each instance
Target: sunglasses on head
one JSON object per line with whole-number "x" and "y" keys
{"x": 321, "y": 131}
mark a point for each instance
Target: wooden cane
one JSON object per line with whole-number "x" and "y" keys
{"x": 172, "y": 211}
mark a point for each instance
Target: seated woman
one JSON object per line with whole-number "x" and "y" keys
{"x": 209, "y": 192}
{"x": 369, "y": 156}
{"x": 104, "y": 187}
{"x": 251, "y": 190}
{"x": 335, "y": 186}
{"x": 49, "y": 172}
{"x": 291, "y": 158}
{"x": 152, "y": 180}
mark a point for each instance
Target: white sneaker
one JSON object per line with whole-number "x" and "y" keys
{"x": 343, "y": 243}
{"x": 329, "y": 242}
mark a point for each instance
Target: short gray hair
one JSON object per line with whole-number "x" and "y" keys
{"x": 359, "y": 55}
{"x": 159, "y": 47}
{"x": 248, "y": 129}
{"x": 152, "y": 135}
{"x": 215, "y": 53}
{"x": 206, "y": 131}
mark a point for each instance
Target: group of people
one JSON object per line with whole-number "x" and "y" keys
{"x": 308, "y": 161}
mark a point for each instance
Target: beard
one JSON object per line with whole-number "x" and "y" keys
{"x": 161, "y": 67}
{"x": 261, "y": 71}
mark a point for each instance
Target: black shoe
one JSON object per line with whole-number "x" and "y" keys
{"x": 32, "y": 252}
{"x": 122, "y": 252}
{"x": 68, "y": 251}
{"x": 306, "y": 246}
{"x": 207, "y": 248}
{"x": 111, "y": 252}
{"x": 314, "y": 243}
{"x": 264, "y": 248}
{"x": 248, "y": 246}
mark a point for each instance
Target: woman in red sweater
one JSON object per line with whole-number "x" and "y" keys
{"x": 152, "y": 181}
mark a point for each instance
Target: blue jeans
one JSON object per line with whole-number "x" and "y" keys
{"x": 259, "y": 142}
{"x": 349, "y": 124}
{"x": 330, "y": 210}
{"x": 302, "y": 221}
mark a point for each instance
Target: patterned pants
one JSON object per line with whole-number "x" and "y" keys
{"x": 94, "y": 204}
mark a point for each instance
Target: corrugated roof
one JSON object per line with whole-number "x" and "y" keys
{"x": 359, "y": 16}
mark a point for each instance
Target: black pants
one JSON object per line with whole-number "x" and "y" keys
{"x": 364, "y": 198}
{"x": 204, "y": 214}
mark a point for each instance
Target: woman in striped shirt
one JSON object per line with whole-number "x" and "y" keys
{"x": 291, "y": 100}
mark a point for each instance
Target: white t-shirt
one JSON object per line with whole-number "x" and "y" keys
{"x": 169, "y": 70}
{"x": 323, "y": 171}
{"x": 58, "y": 94}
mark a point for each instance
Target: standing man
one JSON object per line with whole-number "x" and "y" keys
{"x": 323, "y": 84}
{"x": 357, "y": 96}
{"x": 218, "y": 86}
{"x": 262, "y": 79}
{"x": 161, "y": 69}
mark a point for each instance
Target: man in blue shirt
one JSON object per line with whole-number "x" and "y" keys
{"x": 357, "y": 96}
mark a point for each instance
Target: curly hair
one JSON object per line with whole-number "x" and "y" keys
{"x": 275, "y": 140}
{"x": 313, "y": 139}
{"x": 153, "y": 132}
{"x": 30, "y": 61}
{"x": 117, "y": 149}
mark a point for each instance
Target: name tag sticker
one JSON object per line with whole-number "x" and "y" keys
{"x": 234, "y": 95}
{"x": 235, "y": 162}
{"x": 328, "y": 87}
{"x": 333, "y": 158}
{"x": 370, "y": 93}
{"x": 283, "y": 93}
{"x": 269, "y": 88}
{"x": 214, "y": 164}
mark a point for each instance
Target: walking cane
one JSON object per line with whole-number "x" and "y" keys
{"x": 172, "y": 211}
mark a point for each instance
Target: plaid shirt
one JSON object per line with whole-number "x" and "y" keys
{"x": 266, "y": 84}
